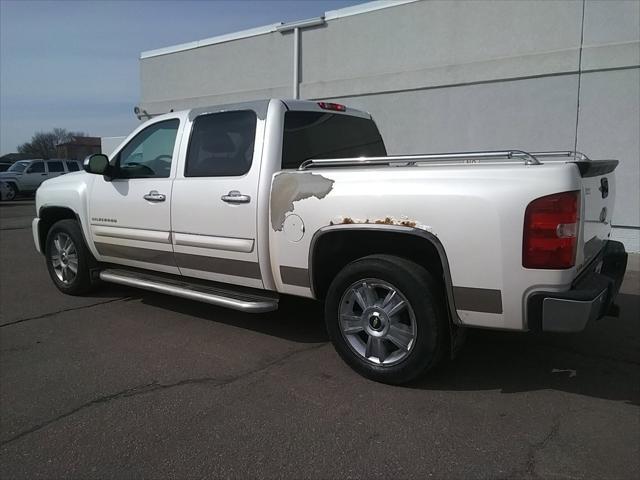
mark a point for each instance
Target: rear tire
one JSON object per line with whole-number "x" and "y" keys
{"x": 69, "y": 261}
{"x": 385, "y": 317}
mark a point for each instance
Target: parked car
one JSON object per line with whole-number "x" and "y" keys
{"x": 4, "y": 166}
{"x": 238, "y": 204}
{"x": 25, "y": 176}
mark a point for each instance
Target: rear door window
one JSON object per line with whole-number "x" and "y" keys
{"x": 221, "y": 144}
{"x": 310, "y": 135}
{"x": 73, "y": 166}
{"x": 55, "y": 167}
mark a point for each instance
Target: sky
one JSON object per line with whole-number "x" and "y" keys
{"x": 74, "y": 64}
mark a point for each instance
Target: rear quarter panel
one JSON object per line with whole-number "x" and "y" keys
{"x": 476, "y": 211}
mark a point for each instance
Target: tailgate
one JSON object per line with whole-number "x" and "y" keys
{"x": 598, "y": 195}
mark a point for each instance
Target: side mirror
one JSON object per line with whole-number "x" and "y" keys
{"x": 98, "y": 164}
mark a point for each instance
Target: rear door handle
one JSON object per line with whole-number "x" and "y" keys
{"x": 234, "y": 196}
{"x": 154, "y": 196}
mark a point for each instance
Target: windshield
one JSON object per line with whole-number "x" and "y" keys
{"x": 18, "y": 167}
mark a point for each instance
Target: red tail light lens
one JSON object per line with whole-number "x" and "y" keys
{"x": 551, "y": 231}
{"x": 336, "y": 107}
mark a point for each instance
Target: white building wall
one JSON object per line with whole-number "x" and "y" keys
{"x": 441, "y": 75}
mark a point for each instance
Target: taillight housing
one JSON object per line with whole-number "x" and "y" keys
{"x": 550, "y": 236}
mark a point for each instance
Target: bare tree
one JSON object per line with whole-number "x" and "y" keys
{"x": 43, "y": 144}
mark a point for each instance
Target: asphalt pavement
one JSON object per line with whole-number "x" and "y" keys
{"x": 129, "y": 384}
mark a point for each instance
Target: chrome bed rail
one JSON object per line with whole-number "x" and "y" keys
{"x": 577, "y": 156}
{"x": 456, "y": 158}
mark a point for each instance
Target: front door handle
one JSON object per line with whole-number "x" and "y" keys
{"x": 154, "y": 196}
{"x": 234, "y": 196}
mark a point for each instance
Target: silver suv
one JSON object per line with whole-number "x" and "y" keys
{"x": 25, "y": 176}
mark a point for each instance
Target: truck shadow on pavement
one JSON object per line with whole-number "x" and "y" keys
{"x": 602, "y": 362}
{"x": 297, "y": 319}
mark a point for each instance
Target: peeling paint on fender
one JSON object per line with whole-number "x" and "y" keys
{"x": 290, "y": 187}
{"x": 402, "y": 221}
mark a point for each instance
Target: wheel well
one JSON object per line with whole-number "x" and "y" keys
{"x": 48, "y": 216}
{"x": 333, "y": 250}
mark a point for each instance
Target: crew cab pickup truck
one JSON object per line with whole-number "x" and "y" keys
{"x": 236, "y": 205}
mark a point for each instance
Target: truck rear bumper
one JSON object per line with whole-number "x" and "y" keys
{"x": 589, "y": 298}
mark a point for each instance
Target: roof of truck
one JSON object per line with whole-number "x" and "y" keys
{"x": 260, "y": 106}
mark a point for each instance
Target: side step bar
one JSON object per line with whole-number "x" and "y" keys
{"x": 178, "y": 287}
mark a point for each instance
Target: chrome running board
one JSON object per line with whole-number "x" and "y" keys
{"x": 241, "y": 299}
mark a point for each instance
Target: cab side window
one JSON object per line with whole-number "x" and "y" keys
{"x": 221, "y": 144}
{"x": 149, "y": 153}
{"x": 36, "y": 167}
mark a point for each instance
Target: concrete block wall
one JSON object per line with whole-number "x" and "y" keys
{"x": 441, "y": 76}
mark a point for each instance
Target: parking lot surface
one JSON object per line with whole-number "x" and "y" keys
{"x": 129, "y": 384}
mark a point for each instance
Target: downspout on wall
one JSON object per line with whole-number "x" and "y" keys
{"x": 296, "y": 27}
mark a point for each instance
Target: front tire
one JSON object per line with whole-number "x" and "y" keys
{"x": 69, "y": 261}
{"x": 12, "y": 192}
{"x": 385, "y": 317}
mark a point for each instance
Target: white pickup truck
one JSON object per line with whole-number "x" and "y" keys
{"x": 238, "y": 204}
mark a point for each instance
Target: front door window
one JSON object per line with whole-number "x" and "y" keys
{"x": 149, "y": 154}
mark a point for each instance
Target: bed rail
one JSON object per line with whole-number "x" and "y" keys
{"x": 456, "y": 158}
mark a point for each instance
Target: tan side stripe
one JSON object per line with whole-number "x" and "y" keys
{"x": 135, "y": 253}
{"x": 295, "y": 276}
{"x": 224, "y": 266}
{"x": 477, "y": 299}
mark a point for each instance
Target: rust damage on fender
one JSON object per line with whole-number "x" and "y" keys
{"x": 383, "y": 221}
{"x": 290, "y": 187}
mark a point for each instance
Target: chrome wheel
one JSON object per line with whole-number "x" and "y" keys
{"x": 64, "y": 258}
{"x": 377, "y": 321}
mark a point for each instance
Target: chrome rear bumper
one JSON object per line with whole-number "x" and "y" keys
{"x": 589, "y": 298}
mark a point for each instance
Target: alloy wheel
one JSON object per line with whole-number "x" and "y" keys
{"x": 377, "y": 321}
{"x": 64, "y": 258}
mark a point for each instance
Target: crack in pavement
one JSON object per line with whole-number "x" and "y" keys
{"x": 541, "y": 445}
{"x": 71, "y": 309}
{"x": 156, "y": 386}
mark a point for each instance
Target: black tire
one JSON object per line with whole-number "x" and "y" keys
{"x": 425, "y": 299}
{"x": 12, "y": 193}
{"x": 81, "y": 282}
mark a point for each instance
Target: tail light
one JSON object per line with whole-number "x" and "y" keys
{"x": 336, "y": 107}
{"x": 550, "y": 234}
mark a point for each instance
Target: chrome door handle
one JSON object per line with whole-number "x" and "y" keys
{"x": 154, "y": 196}
{"x": 234, "y": 196}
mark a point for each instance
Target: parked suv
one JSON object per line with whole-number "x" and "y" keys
{"x": 25, "y": 176}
